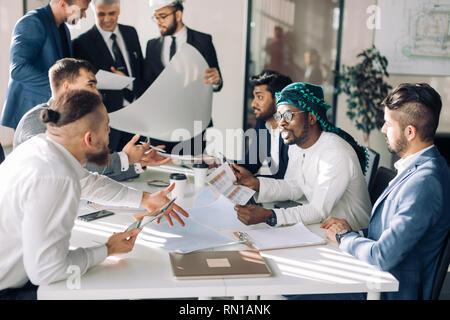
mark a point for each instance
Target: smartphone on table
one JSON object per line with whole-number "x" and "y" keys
{"x": 95, "y": 215}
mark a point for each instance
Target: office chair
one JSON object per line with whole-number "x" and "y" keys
{"x": 2, "y": 154}
{"x": 442, "y": 269}
{"x": 374, "y": 159}
{"x": 380, "y": 182}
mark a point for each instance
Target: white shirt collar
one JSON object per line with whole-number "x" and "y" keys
{"x": 402, "y": 164}
{"x": 180, "y": 35}
{"x": 107, "y": 34}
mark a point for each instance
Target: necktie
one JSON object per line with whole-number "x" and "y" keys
{"x": 120, "y": 61}
{"x": 121, "y": 66}
{"x": 173, "y": 48}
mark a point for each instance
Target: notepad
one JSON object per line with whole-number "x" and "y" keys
{"x": 282, "y": 237}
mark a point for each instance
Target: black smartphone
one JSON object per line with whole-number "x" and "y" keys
{"x": 95, "y": 215}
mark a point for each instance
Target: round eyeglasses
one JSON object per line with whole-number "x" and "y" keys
{"x": 287, "y": 116}
{"x": 162, "y": 17}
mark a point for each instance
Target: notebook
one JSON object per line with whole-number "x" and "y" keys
{"x": 218, "y": 265}
{"x": 280, "y": 238}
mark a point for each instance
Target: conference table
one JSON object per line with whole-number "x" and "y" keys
{"x": 145, "y": 272}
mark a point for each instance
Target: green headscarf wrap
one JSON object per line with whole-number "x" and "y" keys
{"x": 309, "y": 97}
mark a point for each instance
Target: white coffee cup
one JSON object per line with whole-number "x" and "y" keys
{"x": 180, "y": 181}
{"x": 200, "y": 173}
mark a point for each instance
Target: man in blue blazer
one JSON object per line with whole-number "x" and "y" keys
{"x": 267, "y": 143}
{"x": 411, "y": 218}
{"x": 39, "y": 39}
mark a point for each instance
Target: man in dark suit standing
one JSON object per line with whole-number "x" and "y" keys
{"x": 168, "y": 14}
{"x": 113, "y": 47}
{"x": 39, "y": 39}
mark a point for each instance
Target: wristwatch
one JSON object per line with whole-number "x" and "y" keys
{"x": 272, "y": 221}
{"x": 341, "y": 234}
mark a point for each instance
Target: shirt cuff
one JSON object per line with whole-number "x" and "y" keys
{"x": 96, "y": 255}
{"x": 138, "y": 168}
{"x": 124, "y": 163}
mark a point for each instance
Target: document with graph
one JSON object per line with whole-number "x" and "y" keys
{"x": 222, "y": 180}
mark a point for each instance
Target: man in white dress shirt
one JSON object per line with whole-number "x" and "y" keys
{"x": 323, "y": 167}
{"x": 42, "y": 183}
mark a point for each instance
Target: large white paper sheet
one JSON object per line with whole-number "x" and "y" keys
{"x": 111, "y": 81}
{"x": 191, "y": 237}
{"x": 219, "y": 215}
{"x": 178, "y": 101}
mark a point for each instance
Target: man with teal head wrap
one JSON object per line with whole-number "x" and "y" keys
{"x": 323, "y": 167}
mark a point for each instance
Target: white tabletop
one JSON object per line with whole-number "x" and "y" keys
{"x": 146, "y": 273}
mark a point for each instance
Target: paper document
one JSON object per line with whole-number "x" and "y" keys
{"x": 220, "y": 215}
{"x": 222, "y": 180}
{"x": 282, "y": 237}
{"x": 193, "y": 236}
{"x": 176, "y": 107}
{"x": 111, "y": 81}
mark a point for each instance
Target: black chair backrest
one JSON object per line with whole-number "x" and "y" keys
{"x": 380, "y": 182}
{"x": 442, "y": 269}
{"x": 374, "y": 159}
{"x": 2, "y": 154}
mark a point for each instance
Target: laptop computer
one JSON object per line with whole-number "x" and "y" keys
{"x": 218, "y": 265}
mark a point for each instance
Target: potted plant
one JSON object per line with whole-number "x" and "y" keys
{"x": 365, "y": 86}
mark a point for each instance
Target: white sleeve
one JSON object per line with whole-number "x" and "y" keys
{"x": 271, "y": 190}
{"x": 50, "y": 210}
{"x": 103, "y": 190}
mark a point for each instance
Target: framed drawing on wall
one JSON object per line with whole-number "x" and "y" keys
{"x": 420, "y": 45}
{"x": 29, "y": 5}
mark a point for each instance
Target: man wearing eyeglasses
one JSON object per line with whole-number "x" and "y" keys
{"x": 324, "y": 167}
{"x": 113, "y": 47}
{"x": 168, "y": 15}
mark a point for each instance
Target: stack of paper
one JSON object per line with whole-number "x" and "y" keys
{"x": 283, "y": 237}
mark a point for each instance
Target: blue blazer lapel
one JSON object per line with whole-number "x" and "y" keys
{"x": 427, "y": 155}
{"x": 54, "y": 30}
{"x": 69, "y": 40}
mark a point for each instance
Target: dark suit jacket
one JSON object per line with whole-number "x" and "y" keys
{"x": 92, "y": 47}
{"x": 153, "y": 65}
{"x": 260, "y": 150}
{"x": 35, "y": 47}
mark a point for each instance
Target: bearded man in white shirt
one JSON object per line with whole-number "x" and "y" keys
{"x": 323, "y": 167}
{"x": 42, "y": 184}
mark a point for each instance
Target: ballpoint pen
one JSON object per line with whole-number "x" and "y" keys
{"x": 153, "y": 147}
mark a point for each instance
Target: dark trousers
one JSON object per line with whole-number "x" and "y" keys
{"x": 27, "y": 292}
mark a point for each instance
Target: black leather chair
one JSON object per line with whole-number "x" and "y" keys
{"x": 2, "y": 154}
{"x": 442, "y": 270}
{"x": 380, "y": 182}
{"x": 374, "y": 159}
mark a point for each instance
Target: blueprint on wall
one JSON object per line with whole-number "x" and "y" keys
{"x": 420, "y": 44}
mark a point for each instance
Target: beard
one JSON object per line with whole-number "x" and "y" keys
{"x": 170, "y": 29}
{"x": 304, "y": 136}
{"x": 102, "y": 158}
{"x": 398, "y": 146}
